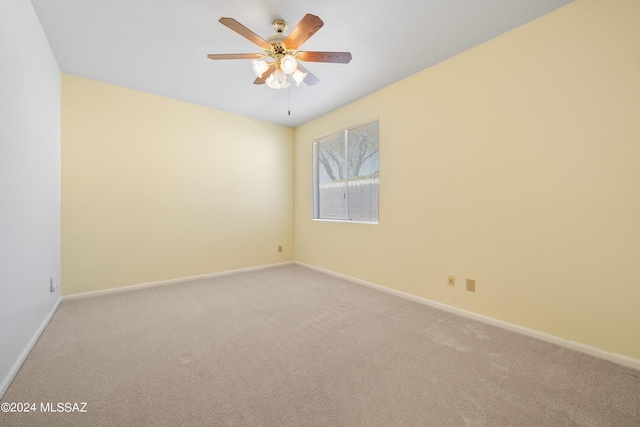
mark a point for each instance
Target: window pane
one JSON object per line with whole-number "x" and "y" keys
{"x": 346, "y": 170}
{"x": 331, "y": 182}
{"x": 362, "y": 143}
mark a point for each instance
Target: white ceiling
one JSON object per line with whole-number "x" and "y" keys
{"x": 161, "y": 46}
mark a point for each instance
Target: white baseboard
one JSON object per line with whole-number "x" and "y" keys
{"x": 171, "y": 281}
{"x": 573, "y": 345}
{"x": 6, "y": 381}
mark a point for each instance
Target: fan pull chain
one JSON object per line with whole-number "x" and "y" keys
{"x": 289, "y": 112}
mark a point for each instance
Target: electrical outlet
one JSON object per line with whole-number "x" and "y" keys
{"x": 471, "y": 285}
{"x": 52, "y": 286}
{"x": 451, "y": 280}
{"x": 279, "y": 248}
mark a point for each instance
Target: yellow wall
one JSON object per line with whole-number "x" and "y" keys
{"x": 156, "y": 189}
{"x": 517, "y": 164}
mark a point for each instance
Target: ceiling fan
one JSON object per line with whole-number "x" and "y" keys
{"x": 281, "y": 56}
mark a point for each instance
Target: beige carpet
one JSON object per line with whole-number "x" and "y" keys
{"x": 289, "y": 346}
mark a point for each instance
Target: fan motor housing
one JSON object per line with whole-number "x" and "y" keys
{"x": 277, "y": 46}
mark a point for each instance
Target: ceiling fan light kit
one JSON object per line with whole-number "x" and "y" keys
{"x": 281, "y": 56}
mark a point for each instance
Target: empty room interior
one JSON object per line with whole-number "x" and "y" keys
{"x": 167, "y": 257}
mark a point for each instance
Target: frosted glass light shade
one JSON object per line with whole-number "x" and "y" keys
{"x": 277, "y": 80}
{"x": 298, "y": 76}
{"x": 288, "y": 64}
{"x": 259, "y": 66}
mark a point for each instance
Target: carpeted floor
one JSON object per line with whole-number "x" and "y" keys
{"x": 289, "y": 346}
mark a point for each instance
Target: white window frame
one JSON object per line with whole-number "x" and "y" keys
{"x": 315, "y": 168}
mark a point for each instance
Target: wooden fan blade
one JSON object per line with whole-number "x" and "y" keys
{"x": 305, "y": 29}
{"x": 267, "y": 73}
{"x": 335, "y": 57}
{"x": 245, "y": 32}
{"x": 309, "y": 79}
{"x": 235, "y": 56}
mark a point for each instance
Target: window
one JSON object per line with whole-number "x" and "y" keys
{"x": 345, "y": 175}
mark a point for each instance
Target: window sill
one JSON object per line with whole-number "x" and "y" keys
{"x": 345, "y": 221}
